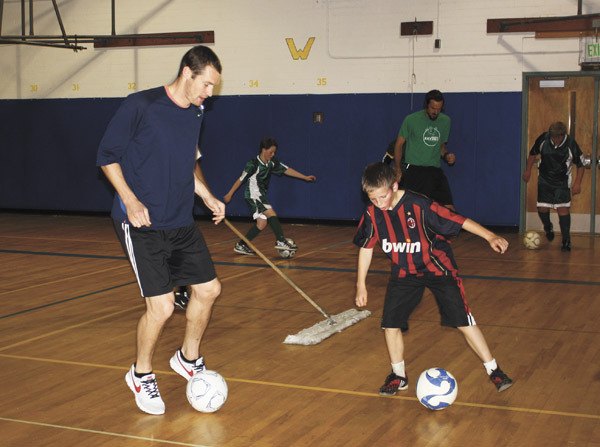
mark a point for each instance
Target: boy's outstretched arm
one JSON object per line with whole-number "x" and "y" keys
{"x": 234, "y": 187}
{"x": 293, "y": 173}
{"x": 364, "y": 261}
{"x": 498, "y": 244}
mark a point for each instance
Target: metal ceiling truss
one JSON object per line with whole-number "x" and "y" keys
{"x": 579, "y": 25}
{"x": 75, "y": 42}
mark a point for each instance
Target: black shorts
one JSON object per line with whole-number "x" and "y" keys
{"x": 553, "y": 194}
{"x": 429, "y": 181}
{"x": 403, "y": 295}
{"x": 164, "y": 259}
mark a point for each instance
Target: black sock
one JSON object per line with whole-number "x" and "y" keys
{"x": 139, "y": 375}
{"x": 276, "y": 227}
{"x": 252, "y": 233}
{"x": 565, "y": 226}
{"x": 183, "y": 357}
{"x": 545, "y": 218}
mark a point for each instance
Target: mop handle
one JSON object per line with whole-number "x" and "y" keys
{"x": 274, "y": 267}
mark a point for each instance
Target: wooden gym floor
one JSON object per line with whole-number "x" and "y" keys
{"x": 69, "y": 305}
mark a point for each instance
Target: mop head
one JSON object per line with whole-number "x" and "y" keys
{"x": 326, "y": 328}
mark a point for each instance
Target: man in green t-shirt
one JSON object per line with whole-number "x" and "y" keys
{"x": 419, "y": 148}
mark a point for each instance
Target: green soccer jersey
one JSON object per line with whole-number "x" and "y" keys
{"x": 424, "y": 137}
{"x": 258, "y": 175}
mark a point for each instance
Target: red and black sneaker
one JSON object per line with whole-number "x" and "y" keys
{"x": 500, "y": 379}
{"x": 392, "y": 384}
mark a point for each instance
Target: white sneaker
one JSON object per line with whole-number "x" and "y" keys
{"x": 186, "y": 369}
{"x": 288, "y": 244}
{"x": 145, "y": 390}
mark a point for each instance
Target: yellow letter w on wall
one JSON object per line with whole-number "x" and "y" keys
{"x": 302, "y": 54}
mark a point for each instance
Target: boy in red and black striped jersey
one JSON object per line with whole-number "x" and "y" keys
{"x": 413, "y": 231}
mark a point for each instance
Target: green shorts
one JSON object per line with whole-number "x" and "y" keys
{"x": 258, "y": 207}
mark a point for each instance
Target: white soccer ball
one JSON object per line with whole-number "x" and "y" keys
{"x": 532, "y": 240}
{"x": 436, "y": 388}
{"x": 287, "y": 254}
{"x": 207, "y": 391}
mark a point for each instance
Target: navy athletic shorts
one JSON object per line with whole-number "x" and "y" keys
{"x": 164, "y": 259}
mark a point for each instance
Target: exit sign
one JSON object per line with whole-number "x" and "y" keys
{"x": 589, "y": 54}
{"x": 592, "y": 49}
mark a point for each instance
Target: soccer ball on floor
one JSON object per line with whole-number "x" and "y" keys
{"x": 287, "y": 254}
{"x": 532, "y": 240}
{"x": 207, "y": 391}
{"x": 436, "y": 388}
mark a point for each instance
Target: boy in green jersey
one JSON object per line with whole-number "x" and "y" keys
{"x": 257, "y": 175}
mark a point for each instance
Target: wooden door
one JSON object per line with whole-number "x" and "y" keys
{"x": 572, "y": 100}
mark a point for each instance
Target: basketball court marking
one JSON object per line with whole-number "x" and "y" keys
{"x": 324, "y": 390}
{"x": 66, "y": 255}
{"x": 66, "y": 300}
{"x": 98, "y": 432}
{"x": 83, "y": 275}
{"x": 73, "y": 326}
{"x": 321, "y": 268}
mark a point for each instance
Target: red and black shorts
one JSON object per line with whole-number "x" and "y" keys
{"x": 403, "y": 295}
{"x": 164, "y": 259}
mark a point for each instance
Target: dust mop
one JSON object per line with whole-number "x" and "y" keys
{"x": 320, "y": 331}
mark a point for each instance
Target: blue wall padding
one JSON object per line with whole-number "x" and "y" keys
{"x": 49, "y": 151}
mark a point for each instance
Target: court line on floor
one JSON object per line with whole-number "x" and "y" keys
{"x": 387, "y": 272}
{"x": 60, "y": 254}
{"x": 60, "y": 280}
{"x": 54, "y": 303}
{"x": 66, "y": 300}
{"x": 73, "y": 326}
{"x": 323, "y": 389}
{"x": 223, "y": 279}
{"x": 32, "y": 309}
{"x": 329, "y": 269}
{"x": 100, "y": 432}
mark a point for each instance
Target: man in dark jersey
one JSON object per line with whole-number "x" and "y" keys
{"x": 148, "y": 154}
{"x": 558, "y": 152}
{"x": 413, "y": 231}
{"x": 419, "y": 148}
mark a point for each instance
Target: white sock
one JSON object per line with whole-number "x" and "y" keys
{"x": 398, "y": 369}
{"x": 490, "y": 366}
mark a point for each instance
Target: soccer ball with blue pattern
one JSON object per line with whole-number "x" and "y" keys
{"x": 436, "y": 388}
{"x": 207, "y": 391}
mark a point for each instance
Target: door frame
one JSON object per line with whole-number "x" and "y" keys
{"x": 525, "y": 146}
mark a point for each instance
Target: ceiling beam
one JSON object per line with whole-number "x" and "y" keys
{"x": 587, "y": 23}
{"x": 563, "y": 34}
{"x": 156, "y": 39}
{"x": 74, "y": 42}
